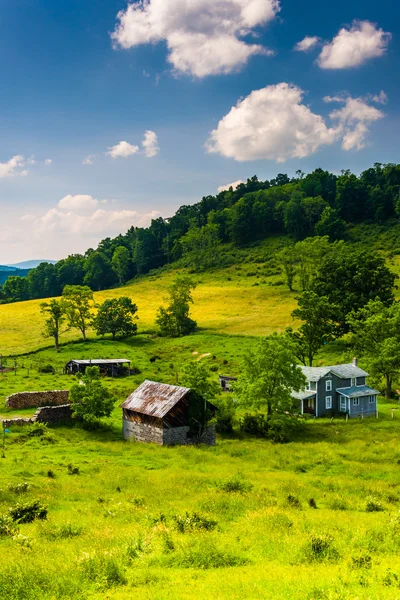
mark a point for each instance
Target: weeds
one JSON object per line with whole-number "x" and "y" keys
{"x": 28, "y": 512}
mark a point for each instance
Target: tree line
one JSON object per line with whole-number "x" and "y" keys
{"x": 318, "y": 204}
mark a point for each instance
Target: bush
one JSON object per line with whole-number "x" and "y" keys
{"x": 18, "y": 488}
{"x": 28, "y": 511}
{"x": 277, "y": 427}
{"x": 254, "y": 424}
{"x": 373, "y": 506}
{"x": 7, "y": 526}
{"x": 39, "y": 430}
{"x": 47, "y": 369}
{"x": 193, "y": 521}
{"x": 319, "y": 547}
{"x": 225, "y": 415}
{"x": 236, "y": 484}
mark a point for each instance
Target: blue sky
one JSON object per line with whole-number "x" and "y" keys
{"x": 71, "y": 90}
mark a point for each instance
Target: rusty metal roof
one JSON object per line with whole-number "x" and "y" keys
{"x": 154, "y": 399}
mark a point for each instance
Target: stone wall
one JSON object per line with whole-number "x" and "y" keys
{"x": 174, "y": 436}
{"x": 45, "y": 414}
{"x": 37, "y": 399}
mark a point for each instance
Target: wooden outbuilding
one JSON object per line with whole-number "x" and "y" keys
{"x": 161, "y": 413}
{"x": 113, "y": 367}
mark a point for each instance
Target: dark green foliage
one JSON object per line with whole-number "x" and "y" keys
{"x": 331, "y": 225}
{"x": 225, "y": 415}
{"x": 174, "y": 321}
{"x": 320, "y": 547}
{"x": 116, "y": 316}
{"x": 236, "y": 484}
{"x": 254, "y": 424}
{"x": 90, "y": 399}
{"x": 373, "y": 505}
{"x": 28, "y": 512}
{"x": 99, "y": 273}
{"x": 19, "y": 488}
{"x": 78, "y": 304}
{"x": 350, "y": 277}
{"x": 121, "y": 263}
{"x": 73, "y": 470}
{"x": 48, "y": 368}
{"x": 293, "y": 501}
{"x": 194, "y": 522}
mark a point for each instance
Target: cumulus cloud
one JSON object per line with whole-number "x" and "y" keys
{"x": 122, "y": 150}
{"x": 307, "y": 43}
{"x": 78, "y": 203}
{"x": 354, "y": 46}
{"x": 150, "y": 144}
{"x": 227, "y": 186}
{"x": 274, "y": 124}
{"x": 203, "y": 37}
{"x": 48, "y": 162}
{"x": 13, "y": 167}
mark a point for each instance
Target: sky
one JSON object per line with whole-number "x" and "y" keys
{"x": 114, "y": 113}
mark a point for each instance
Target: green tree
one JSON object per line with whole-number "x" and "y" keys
{"x": 55, "y": 313}
{"x": 376, "y": 335}
{"x": 174, "y": 321}
{"x": 309, "y": 255}
{"x": 116, "y": 316}
{"x": 331, "y": 225}
{"x": 90, "y": 399}
{"x": 200, "y": 246}
{"x": 349, "y": 278}
{"x": 287, "y": 260}
{"x": 121, "y": 263}
{"x": 197, "y": 376}
{"x": 78, "y": 304}
{"x": 318, "y": 326}
{"x": 269, "y": 374}
{"x": 16, "y": 289}
{"x": 98, "y": 271}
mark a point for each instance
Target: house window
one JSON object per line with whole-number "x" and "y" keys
{"x": 328, "y": 385}
{"x": 353, "y": 381}
{"x": 356, "y": 401}
{"x": 372, "y": 399}
{"x": 328, "y": 402}
{"x": 313, "y": 385}
{"x": 342, "y": 403}
{"x": 308, "y": 386}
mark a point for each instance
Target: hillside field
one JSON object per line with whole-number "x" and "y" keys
{"x": 315, "y": 519}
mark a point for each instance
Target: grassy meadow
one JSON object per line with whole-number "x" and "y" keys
{"x": 315, "y": 519}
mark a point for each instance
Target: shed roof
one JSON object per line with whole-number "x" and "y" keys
{"x": 154, "y": 399}
{"x": 101, "y": 361}
{"x": 346, "y": 371}
{"x": 357, "y": 391}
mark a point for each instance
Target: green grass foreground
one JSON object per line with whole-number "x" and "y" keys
{"x": 233, "y": 521}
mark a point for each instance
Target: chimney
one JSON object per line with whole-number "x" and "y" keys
{"x": 355, "y": 362}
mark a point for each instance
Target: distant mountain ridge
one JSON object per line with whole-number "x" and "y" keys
{"x": 30, "y": 264}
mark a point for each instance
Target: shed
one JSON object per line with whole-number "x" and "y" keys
{"x": 226, "y": 382}
{"x": 160, "y": 413}
{"x": 108, "y": 366}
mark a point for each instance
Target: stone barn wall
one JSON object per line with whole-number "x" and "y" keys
{"x": 37, "y": 399}
{"x": 142, "y": 432}
{"x": 174, "y": 436}
{"x": 45, "y": 414}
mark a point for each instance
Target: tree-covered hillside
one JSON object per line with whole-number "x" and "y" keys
{"x": 320, "y": 203}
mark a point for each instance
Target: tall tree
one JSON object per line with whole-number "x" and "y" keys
{"x": 121, "y": 263}
{"x": 200, "y": 246}
{"x": 116, "y": 316}
{"x": 349, "y": 278}
{"x": 90, "y": 399}
{"x": 318, "y": 326}
{"x": 174, "y": 320}
{"x": 287, "y": 260}
{"x": 98, "y": 271}
{"x": 269, "y": 375}
{"x": 78, "y": 303}
{"x": 309, "y": 255}
{"x": 376, "y": 335}
{"x": 55, "y": 313}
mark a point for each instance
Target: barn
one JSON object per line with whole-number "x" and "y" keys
{"x": 161, "y": 413}
{"x": 113, "y": 367}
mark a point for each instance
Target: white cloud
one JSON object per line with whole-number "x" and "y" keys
{"x": 380, "y": 98}
{"x": 274, "y": 124}
{"x": 150, "y": 144}
{"x": 354, "y": 46}
{"x": 227, "y": 186}
{"x": 13, "y": 167}
{"x": 28, "y": 218}
{"x": 204, "y": 37}
{"x": 271, "y": 123}
{"x": 353, "y": 118}
{"x": 48, "y": 162}
{"x": 307, "y": 43}
{"x": 80, "y": 202}
{"x": 122, "y": 150}
{"x": 88, "y": 160}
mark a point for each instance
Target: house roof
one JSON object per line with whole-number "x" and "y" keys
{"x": 101, "y": 361}
{"x": 303, "y": 394}
{"x": 358, "y": 391}
{"x": 346, "y": 371}
{"x": 154, "y": 399}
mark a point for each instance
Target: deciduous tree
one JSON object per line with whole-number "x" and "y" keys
{"x": 116, "y": 316}
{"x": 78, "y": 304}
{"x": 55, "y": 313}
{"x": 174, "y": 320}
{"x": 90, "y": 399}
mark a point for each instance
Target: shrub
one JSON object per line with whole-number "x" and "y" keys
{"x": 28, "y": 511}
{"x": 46, "y": 369}
{"x": 73, "y": 470}
{"x": 256, "y": 424}
{"x": 193, "y": 521}
{"x": 319, "y": 547}
{"x": 373, "y": 506}
{"x": 39, "y": 430}
{"x": 225, "y": 415}
{"x": 18, "y": 488}
{"x": 293, "y": 501}
{"x": 236, "y": 484}
{"x": 7, "y": 526}
{"x": 105, "y": 570}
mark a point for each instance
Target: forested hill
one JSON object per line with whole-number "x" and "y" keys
{"x": 320, "y": 203}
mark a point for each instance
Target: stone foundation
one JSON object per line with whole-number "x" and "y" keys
{"x": 174, "y": 436}
{"x": 37, "y": 399}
